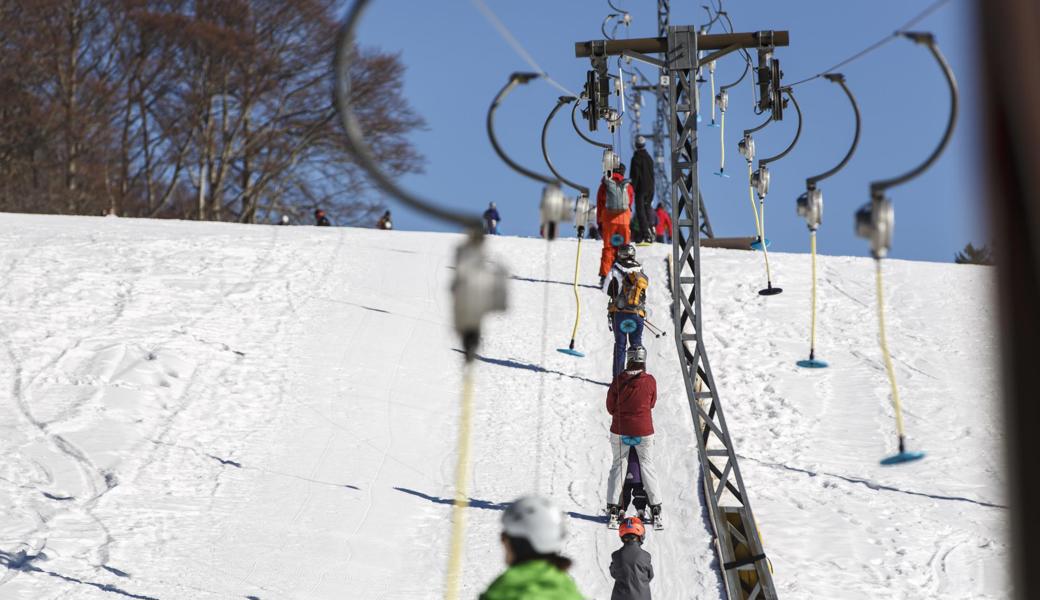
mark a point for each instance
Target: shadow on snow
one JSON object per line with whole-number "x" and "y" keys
{"x": 488, "y": 505}
{"x": 501, "y": 362}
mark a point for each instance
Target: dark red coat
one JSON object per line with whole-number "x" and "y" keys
{"x": 630, "y": 399}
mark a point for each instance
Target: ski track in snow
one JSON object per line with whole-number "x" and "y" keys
{"x": 203, "y": 411}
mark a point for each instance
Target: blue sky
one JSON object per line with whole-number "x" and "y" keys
{"x": 457, "y": 62}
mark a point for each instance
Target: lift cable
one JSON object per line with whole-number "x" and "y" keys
{"x": 505, "y": 34}
{"x": 931, "y": 8}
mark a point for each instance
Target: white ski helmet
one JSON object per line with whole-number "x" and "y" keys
{"x": 635, "y": 354}
{"x": 626, "y": 251}
{"x": 537, "y": 520}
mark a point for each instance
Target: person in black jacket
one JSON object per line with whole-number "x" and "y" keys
{"x": 630, "y": 566}
{"x": 642, "y": 172}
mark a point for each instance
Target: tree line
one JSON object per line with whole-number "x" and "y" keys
{"x": 194, "y": 109}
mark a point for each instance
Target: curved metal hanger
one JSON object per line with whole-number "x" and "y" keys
{"x": 355, "y": 137}
{"x": 748, "y": 132}
{"x": 545, "y": 150}
{"x": 838, "y": 78}
{"x": 603, "y": 26}
{"x": 574, "y": 122}
{"x": 797, "y": 134}
{"x": 611, "y": 5}
{"x": 514, "y": 80}
{"x": 878, "y": 187}
{"x": 747, "y": 67}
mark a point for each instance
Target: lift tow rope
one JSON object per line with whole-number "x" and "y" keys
{"x": 897, "y": 405}
{"x": 770, "y": 290}
{"x": 577, "y": 296}
{"x": 462, "y": 468}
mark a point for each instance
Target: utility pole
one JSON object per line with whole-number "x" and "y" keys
{"x": 741, "y": 556}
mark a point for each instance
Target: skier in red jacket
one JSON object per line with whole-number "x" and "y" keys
{"x": 664, "y": 224}
{"x": 630, "y": 400}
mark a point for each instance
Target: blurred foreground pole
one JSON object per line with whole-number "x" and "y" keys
{"x": 1011, "y": 89}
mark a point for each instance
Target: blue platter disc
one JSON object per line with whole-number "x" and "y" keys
{"x": 812, "y": 363}
{"x": 722, "y": 174}
{"x": 757, "y": 245}
{"x": 902, "y": 457}
{"x": 571, "y": 352}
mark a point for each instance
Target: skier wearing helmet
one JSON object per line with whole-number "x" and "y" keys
{"x": 626, "y": 310}
{"x": 533, "y": 529}
{"x": 491, "y": 219}
{"x": 631, "y": 398}
{"x": 614, "y": 201}
{"x": 630, "y": 565}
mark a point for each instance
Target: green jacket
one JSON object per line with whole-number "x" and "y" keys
{"x": 532, "y": 580}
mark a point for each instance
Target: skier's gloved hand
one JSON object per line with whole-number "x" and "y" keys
{"x": 610, "y": 322}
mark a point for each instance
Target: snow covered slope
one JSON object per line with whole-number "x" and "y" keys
{"x": 197, "y": 411}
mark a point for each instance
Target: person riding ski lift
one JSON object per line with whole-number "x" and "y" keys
{"x": 491, "y": 219}
{"x": 643, "y": 184}
{"x": 614, "y": 201}
{"x": 533, "y": 530}
{"x": 626, "y": 309}
{"x": 320, "y": 219}
{"x": 630, "y": 565}
{"x": 385, "y": 222}
{"x": 630, "y": 402}
{"x": 285, "y": 220}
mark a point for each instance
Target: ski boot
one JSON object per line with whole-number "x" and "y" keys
{"x": 655, "y": 514}
{"x": 613, "y": 516}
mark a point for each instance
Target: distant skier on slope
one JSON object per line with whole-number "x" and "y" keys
{"x": 630, "y": 566}
{"x": 613, "y": 205}
{"x": 626, "y": 309}
{"x": 320, "y": 219}
{"x": 533, "y": 529}
{"x": 385, "y": 222}
{"x": 630, "y": 401}
{"x": 491, "y": 219}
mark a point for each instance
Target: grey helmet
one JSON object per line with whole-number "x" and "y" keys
{"x": 635, "y": 354}
{"x": 626, "y": 251}
{"x": 537, "y": 520}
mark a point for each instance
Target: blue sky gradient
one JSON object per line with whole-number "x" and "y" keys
{"x": 457, "y": 62}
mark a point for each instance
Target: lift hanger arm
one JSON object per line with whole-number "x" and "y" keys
{"x": 355, "y": 137}
{"x": 545, "y": 149}
{"x": 797, "y": 133}
{"x": 840, "y": 80}
{"x": 514, "y": 80}
{"x": 582, "y": 135}
{"x": 927, "y": 39}
{"x": 759, "y": 127}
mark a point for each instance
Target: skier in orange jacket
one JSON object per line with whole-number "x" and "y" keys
{"x": 613, "y": 215}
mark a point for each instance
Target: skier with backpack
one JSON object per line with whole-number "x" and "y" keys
{"x": 626, "y": 310}
{"x": 533, "y": 529}
{"x": 630, "y": 565}
{"x": 320, "y": 219}
{"x": 613, "y": 205}
{"x": 630, "y": 402}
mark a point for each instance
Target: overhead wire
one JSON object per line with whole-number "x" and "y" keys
{"x": 517, "y": 47}
{"x": 931, "y": 8}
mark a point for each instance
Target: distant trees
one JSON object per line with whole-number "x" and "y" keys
{"x": 974, "y": 256}
{"x": 202, "y": 109}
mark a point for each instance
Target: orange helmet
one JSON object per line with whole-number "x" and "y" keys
{"x": 632, "y": 525}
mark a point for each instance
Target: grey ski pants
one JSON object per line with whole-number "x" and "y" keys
{"x": 619, "y": 467}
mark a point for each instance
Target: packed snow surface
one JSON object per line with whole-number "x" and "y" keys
{"x": 201, "y": 411}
